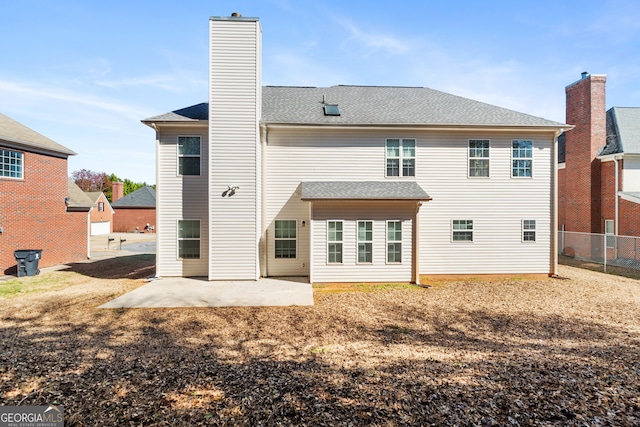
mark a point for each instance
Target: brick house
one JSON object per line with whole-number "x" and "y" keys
{"x": 101, "y": 214}
{"x": 135, "y": 210}
{"x": 37, "y": 209}
{"x": 599, "y": 163}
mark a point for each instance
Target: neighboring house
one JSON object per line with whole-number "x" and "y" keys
{"x": 347, "y": 183}
{"x": 135, "y": 210}
{"x": 39, "y": 207}
{"x": 599, "y": 163}
{"x": 101, "y": 214}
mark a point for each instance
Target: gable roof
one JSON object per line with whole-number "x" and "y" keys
{"x": 623, "y": 131}
{"x": 18, "y": 134}
{"x": 370, "y": 105}
{"x": 362, "y": 190}
{"x": 144, "y": 197}
{"x": 77, "y": 200}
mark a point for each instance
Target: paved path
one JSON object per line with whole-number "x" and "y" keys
{"x": 190, "y": 292}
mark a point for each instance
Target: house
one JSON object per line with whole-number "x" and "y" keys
{"x": 135, "y": 210}
{"x": 101, "y": 214}
{"x": 39, "y": 207}
{"x": 347, "y": 183}
{"x": 599, "y": 163}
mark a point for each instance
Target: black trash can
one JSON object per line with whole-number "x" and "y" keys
{"x": 28, "y": 261}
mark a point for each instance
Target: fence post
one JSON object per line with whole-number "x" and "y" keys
{"x": 605, "y": 252}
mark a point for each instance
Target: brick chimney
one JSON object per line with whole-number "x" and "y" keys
{"x": 117, "y": 191}
{"x": 586, "y": 110}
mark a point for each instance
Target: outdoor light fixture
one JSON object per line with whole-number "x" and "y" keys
{"x": 230, "y": 191}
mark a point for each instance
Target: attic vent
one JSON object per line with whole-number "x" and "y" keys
{"x": 236, "y": 15}
{"x": 331, "y": 110}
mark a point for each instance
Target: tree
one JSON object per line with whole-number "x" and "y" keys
{"x": 89, "y": 180}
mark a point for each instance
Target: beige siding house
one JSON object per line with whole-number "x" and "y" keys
{"x": 347, "y": 183}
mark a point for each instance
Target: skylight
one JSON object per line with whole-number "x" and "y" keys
{"x": 331, "y": 110}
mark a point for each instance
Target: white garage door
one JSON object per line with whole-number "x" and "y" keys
{"x": 99, "y": 228}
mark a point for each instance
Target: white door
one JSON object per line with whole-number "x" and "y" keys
{"x": 99, "y": 228}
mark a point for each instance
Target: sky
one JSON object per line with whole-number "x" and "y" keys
{"x": 85, "y": 73}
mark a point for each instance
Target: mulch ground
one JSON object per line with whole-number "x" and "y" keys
{"x": 484, "y": 352}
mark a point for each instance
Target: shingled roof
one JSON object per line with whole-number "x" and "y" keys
{"x": 623, "y": 131}
{"x": 19, "y": 135}
{"x": 371, "y": 105}
{"x": 144, "y": 197}
{"x": 363, "y": 190}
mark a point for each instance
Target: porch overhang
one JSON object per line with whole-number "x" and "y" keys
{"x": 363, "y": 190}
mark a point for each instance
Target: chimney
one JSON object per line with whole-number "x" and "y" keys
{"x": 117, "y": 191}
{"x": 586, "y": 110}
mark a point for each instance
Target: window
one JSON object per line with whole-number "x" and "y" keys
{"x": 365, "y": 241}
{"x": 334, "y": 242}
{"x": 11, "y": 164}
{"x": 285, "y": 239}
{"x": 479, "y": 157}
{"x": 401, "y": 157}
{"x": 188, "y": 155}
{"x": 100, "y": 206}
{"x": 462, "y": 230}
{"x": 522, "y": 158}
{"x": 609, "y": 233}
{"x": 189, "y": 239}
{"x": 528, "y": 230}
{"x": 394, "y": 241}
{"x": 331, "y": 110}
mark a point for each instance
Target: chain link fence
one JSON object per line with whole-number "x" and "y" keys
{"x": 605, "y": 249}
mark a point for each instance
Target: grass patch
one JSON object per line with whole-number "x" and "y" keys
{"x": 329, "y": 288}
{"x": 614, "y": 270}
{"x": 33, "y": 284}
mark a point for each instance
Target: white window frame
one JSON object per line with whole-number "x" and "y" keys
{"x": 366, "y": 242}
{"x": 455, "y": 230}
{"x": 179, "y": 239}
{"x": 394, "y": 241}
{"x": 100, "y": 206}
{"x": 401, "y": 157}
{"x": 335, "y": 242}
{"x": 289, "y": 238}
{"x": 529, "y": 228}
{"x": 179, "y": 156}
{"x": 11, "y": 164}
{"x": 518, "y": 158}
{"x": 472, "y": 158}
{"x": 609, "y": 233}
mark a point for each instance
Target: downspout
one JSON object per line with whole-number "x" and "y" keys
{"x": 158, "y": 198}
{"x": 263, "y": 216}
{"x": 615, "y": 195}
{"x": 89, "y": 233}
{"x": 554, "y": 207}
{"x": 415, "y": 274}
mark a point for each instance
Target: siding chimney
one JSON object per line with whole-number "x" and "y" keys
{"x": 117, "y": 191}
{"x": 586, "y": 110}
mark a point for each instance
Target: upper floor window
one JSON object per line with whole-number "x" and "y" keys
{"x": 188, "y": 155}
{"x": 11, "y": 164}
{"x": 522, "y": 158}
{"x": 479, "y": 157}
{"x": 100, "y": 206}
{"x": 285, "y": 238}
{"x": 401, "y": 157}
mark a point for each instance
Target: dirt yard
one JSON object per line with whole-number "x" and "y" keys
{"x": 472, "y": 352}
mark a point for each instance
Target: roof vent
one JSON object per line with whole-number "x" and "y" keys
{"x": 585, "y": 74}
{"x": 236, "y": 15}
